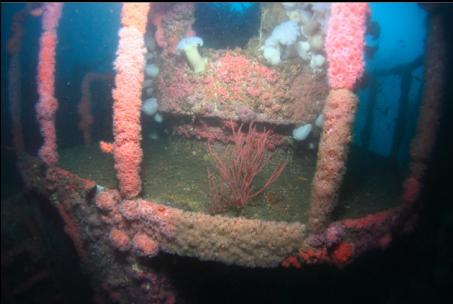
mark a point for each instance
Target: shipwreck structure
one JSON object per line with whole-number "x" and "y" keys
{"x": 276, "y": 81}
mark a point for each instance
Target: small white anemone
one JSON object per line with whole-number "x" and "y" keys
{"x": 301, "y": 133}
{"x": 150, "y": 106}
{"x": 158, "y": 118}
{"x": 152, "y": 70}
{"x": 303, "y": 49}
{"x": 153, "y": 135}
{"x": 99, "y": 188}
{"x": 286, "y": 33}
{"x": 190, "y": 48}
{"x": 319, "y": 122}
{"x": 317, "y": 61}
{"x": 272, "y": 54}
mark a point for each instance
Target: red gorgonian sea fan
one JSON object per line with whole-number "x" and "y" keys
{"x": 238, "y": 167}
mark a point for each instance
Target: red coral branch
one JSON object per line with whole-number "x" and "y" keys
{"x": 239, "y": 166}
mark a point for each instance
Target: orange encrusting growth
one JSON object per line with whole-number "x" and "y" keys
{"x": 119, "y": 239}
{"x": 106, "y": 147}
{"x": 343, "y": 253}
{"x": 144, "y": 245}
{"x": 127, "y": 98}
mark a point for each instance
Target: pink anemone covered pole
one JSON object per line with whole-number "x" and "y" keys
{"x": 127, "y": 93}
{"x": 345, "y": 56}
{"x": 48, "y": 104}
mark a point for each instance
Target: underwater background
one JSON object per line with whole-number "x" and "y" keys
{"x": 415, "y": 269}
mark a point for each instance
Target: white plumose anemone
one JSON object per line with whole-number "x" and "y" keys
{"x": 190, "y": 48}
{"x": 150, "y": 106}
